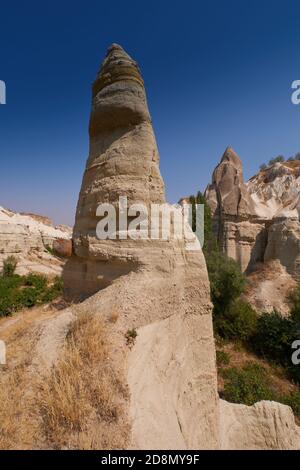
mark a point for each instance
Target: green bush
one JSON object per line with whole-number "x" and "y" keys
{"x": 223, "y": 358}
{"x": 247, "y": 385}
{"x": 239, "y": 322}
{"x": 227, "y": 282}
{"x": 278, "y": 159}
{"x": 273, "y": 340}
{"x": 273, "y": 337}
{"x": 17, "y": 292}
{"x": 36, "y": 280}
{"x": 9, "y": 266}
{"x": 293, "y": 400}
{"x": 295, "y": 304}
{"x": 54, "y": 291}
{"x": 210, "y": 242}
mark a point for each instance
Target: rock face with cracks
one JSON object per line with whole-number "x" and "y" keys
{"x": 240, "y": 232}
{"x": 156, "y": 288}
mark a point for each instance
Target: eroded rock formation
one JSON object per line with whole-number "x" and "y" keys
{"x": 257, "y": 221}
{"x": 157, "y": 287}
{"x": 240, "y": 232}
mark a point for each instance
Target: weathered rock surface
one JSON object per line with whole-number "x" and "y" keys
{"x": 276, "y": 193}
{"x": 269, "y": 287}
{"x": 265, "y": 425}
{"x": 240, "y": 232}
{"x": 28, "y": 237}
{"x": 156, "y": 288}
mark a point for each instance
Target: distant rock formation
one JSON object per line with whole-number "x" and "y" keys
{"x": 257, "y": 221}
{"x": 240, "y": 232}
{"x": 29, "y": 238}
{"x": 276, "y": 195}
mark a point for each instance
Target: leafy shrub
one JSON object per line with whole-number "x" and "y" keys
{"x": 238, "y": 322}
{"x": 223, "y": 358}
{"x": 17, "y": 292}
{"x": 278, "y": 159}
{"x": 36, "y": 280}
{"x": 226, "y": 281}
{"x": 9, "y": 266}
{"x": 293, "y": 400}
{"x": 273, "y": 337}
{"x": 263, "y": 167}
{"x": 247, "y": 385}
{"x": 295, "y": 304}
{"x": 210, "y": 242}
{"x": 297, "y": 156}
{"x": 54, "y": 291}
{"x": 27, "y": 297}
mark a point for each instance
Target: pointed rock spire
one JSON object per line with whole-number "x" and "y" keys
{"x": 123, "y": 161}
{"x": 231, "y": 156}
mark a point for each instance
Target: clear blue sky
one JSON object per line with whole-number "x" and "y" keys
{"x": 217, "y": 74}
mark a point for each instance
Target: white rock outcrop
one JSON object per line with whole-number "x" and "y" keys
{"x": 27, "y": 237}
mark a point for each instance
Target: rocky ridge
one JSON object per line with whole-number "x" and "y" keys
{"x": 31, "y": 239}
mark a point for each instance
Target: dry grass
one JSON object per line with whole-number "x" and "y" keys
{"x": 79, "y": 404}
{"x": 82, "y": 402}
{"x": 15, "y": 392}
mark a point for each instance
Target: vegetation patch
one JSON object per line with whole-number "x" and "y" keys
{"x": 17, "y": 292}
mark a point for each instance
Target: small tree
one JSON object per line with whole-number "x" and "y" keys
{"x": 278, "y": 159}
{"x": 263, "y": 167}
{"x": 226, "y": 281}
{"x": 210, "y": 242}
{"x": 9, "y": 266}
{"x": 297, "y": 156}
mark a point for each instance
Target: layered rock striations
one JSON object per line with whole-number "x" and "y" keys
{"x": 123, "y": 161}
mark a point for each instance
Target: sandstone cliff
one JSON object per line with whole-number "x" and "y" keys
{"x": 30, "y": 238}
